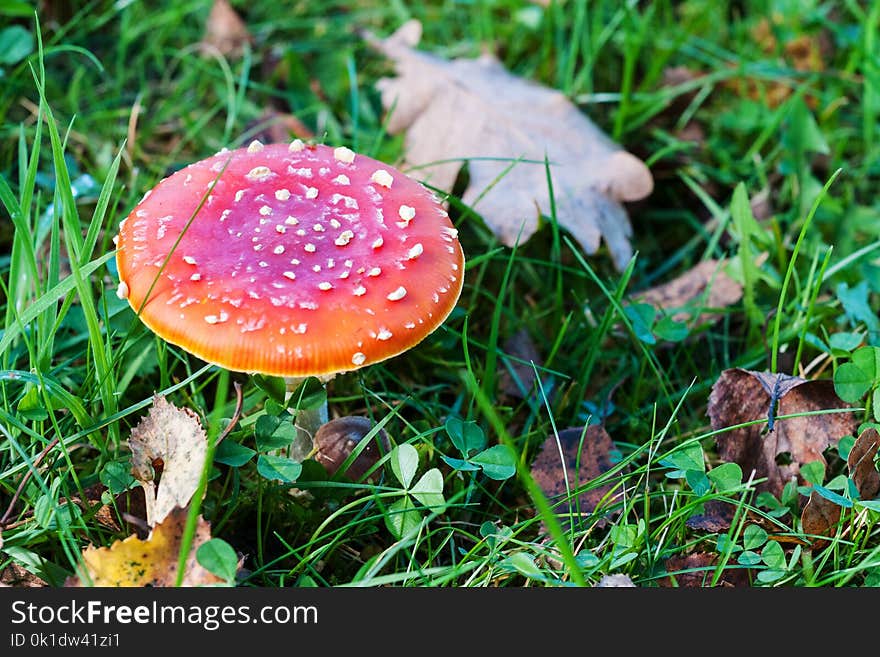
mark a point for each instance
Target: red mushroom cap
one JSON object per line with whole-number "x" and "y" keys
{"x": 299, "y": 260}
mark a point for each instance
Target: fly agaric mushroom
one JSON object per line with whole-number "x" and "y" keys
{"x": 290, "y": 260}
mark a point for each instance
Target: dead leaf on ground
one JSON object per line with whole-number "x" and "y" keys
{"x": 173, "y": 438}
{"x": 741, "y": 396}
{"x": 697, "y": 569}
{"x": 821, "y": 516}
{"x": 150, "y": 562}
{"x": 225, "y": 31}
{"x": 517, "y": 376}
{"x": 496, "y": 121}
{"x": 694, "y": 293}
{"x": 716, "y": 517}
{"x": 861, "y": 465}
{"x": 19, "y": 577}
{"x": 549, "y": 469}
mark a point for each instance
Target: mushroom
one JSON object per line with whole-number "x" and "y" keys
{"x": 290, "y": 260}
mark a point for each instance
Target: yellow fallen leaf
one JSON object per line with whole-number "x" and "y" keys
{"x": 149, "y": 562}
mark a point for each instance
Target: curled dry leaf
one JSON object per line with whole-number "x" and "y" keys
{"x": 225, "y": 31}
{"x": 716, "y": 517}
{"x": 861, "y": 465}
{"x": 741, "y": 396}
{"x": 173, "y": 437}
{"x": 505, "y": 127}
{"x": 695, "y": 293}
{"x": 150, "y": 562}
{"x": 821, "y": 516}
{"x": 581, "y": 461}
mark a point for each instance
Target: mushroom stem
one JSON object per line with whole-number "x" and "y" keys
{"x": 307, "y": 422}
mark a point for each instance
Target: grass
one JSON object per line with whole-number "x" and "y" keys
{"x": 726, "y": 102}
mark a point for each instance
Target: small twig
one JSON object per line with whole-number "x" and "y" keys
{"x": 236, "y": 416}
{"x": 24, "y": 481}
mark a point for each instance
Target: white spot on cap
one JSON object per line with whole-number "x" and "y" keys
{"x": 316, "y": 268}
{"x": 318, "y": 228}
{"x": 407, "y": 213}
{"x": 225, "y": 214}
{"x": 397, "y": 295}
{"x": 378, "y": 242}
{"x": 450, "y": 233}
{"x": 278, "y": 250}
{"x": 189, "y": 260}
{"x": 382, "y": 177}
{"x": 344, "y": 238}
{"x": 409, "y": 325}
{"x": 342, "y": 179}
{"x": 334, "y": 223}
{"x": 282, "y": 194}
{"x": 383, "y": 334}
{"x": 122, "y": 290}
{"x": 290, "y": 275}
{"x": 415, "y": 252}
{"x": 310, "y": 248}
{"x": 294, "y": 261}
{"x": 239, "y": 195}
{"x": 324, "y": 285}
{"x": 358, "y": 358}
{"x": 296, "y": 146}
{"x": 359, "y": 291}
{"x": 280, "y": 228}
{"x": 375, "y": 271}
{"x": 259, "y": 173}
{"x": 265, "y": 210}
{"x": 216, "y": 319}
{"x": 196, "y": 277}
{"x": 312, "y": 192}
{"x": 115, "y": 240}
{"x": 291, "y": 221}
{"x": 255, "y": 146}
{"x": 344, "y": 154}
{"x": 263, "y": 263}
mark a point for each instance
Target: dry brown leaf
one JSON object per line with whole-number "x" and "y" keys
{"x": 174, "y": 438}
{"x": 819, "y": 517}
{"x": 549, "y": 469}
{"x": 861, "y": 464}
{"x": 19, "y": 577}
{"x": 741, "y": 395}
{"x": 474, "y": 110}
{"x": 696, "y": 570}
{"x": 704, "y": 286}
{"x": 150, "y": 562}
{"x": 517, "y": 377}
{"x": 716, "y": 517}
{"x": 225, "y": 31}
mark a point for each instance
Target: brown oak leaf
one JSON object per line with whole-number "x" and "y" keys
{"x": 225, "y": 31}
{"x": 505, "y": 128}
{"x": 741, "y": 395}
